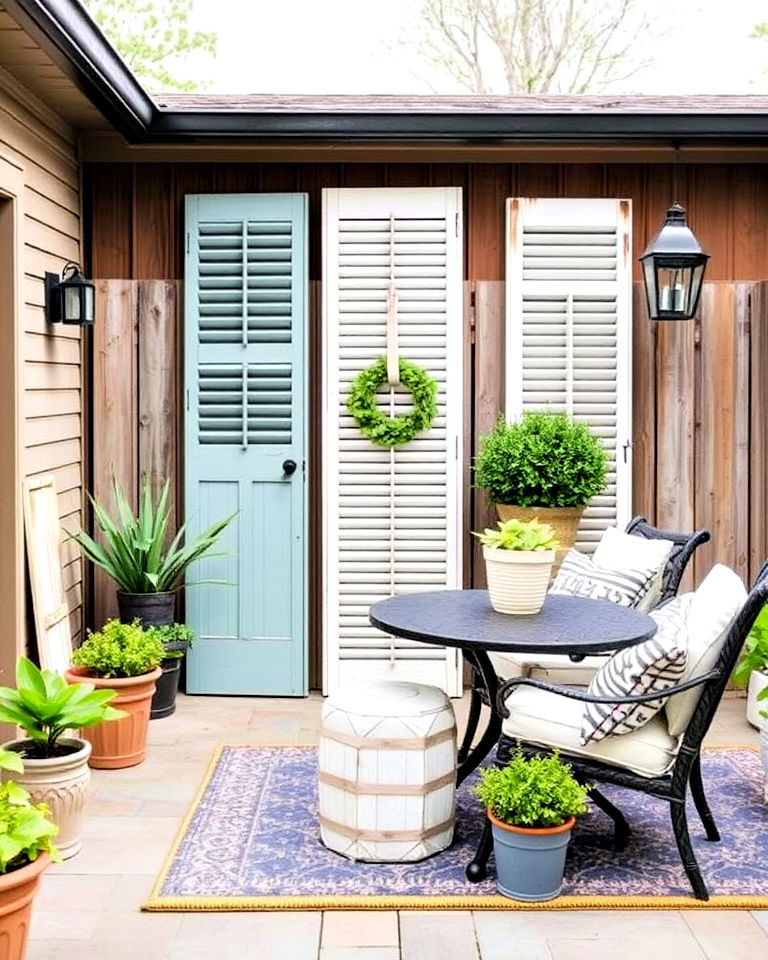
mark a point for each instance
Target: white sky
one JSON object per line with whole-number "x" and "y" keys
{"x": 352, "y": 46}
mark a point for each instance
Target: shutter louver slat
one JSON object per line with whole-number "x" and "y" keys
{"x": 391, "y": 529}
{"x": 568, "y": 330}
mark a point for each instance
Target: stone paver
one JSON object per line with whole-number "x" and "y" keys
{"x": 89, "y": 906}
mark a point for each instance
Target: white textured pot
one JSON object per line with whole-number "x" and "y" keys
{"x": 757, "y": 681}
{"x": 764, "y": 757}
{"x": 517, "y": 579}
{"x": 61, "y": 782}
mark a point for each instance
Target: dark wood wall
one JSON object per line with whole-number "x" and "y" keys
{"x": 135, "y": 210}
{"x": 699, "y": 394}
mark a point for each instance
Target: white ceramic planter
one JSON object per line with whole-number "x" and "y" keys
{"x": 764, "y": 757}
{"x": 517, "y": 579}
{"x": 757, "y": 681}
{"x": 61, "y": 782}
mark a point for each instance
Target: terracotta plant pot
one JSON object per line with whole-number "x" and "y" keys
{"x": 517, "y": 579}
{"x": 17, "y": 890}
{"x": 120, "y": 743}
{"x": 530, "y": 860}
{"x": 61, "y": 782}
{"x": 563, "y": 520}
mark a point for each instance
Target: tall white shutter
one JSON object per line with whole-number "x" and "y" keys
{"x": 569, "y": 330}
{"x": 392, "y": 519}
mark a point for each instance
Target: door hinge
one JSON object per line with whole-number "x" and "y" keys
{"x": 187, "y": 398}
{"x": 187, "y": 242}
{"x": 472, "y": 315}
{"x": 626, "y": 447}
{"x": 456, "y": 224}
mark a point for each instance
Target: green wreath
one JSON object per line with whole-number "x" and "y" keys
{"x": 374, "y": 423}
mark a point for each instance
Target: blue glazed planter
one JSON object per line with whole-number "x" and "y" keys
{"x": 530, "y": 861}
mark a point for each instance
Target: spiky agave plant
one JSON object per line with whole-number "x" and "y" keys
{"x": 134, "y": 553}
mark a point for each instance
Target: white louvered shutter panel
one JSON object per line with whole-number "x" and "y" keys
{"x": 569, "y": 330}
{"x": 392, "y": 520}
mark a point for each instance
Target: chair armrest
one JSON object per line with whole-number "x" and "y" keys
{"x": 574, "y": 693}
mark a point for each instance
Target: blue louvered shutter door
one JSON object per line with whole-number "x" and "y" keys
{"x": 245, "y": 333}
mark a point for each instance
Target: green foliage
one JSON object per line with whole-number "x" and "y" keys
{"x": 152, "y": 36}
{"x": 534, "y": 792}
{"x": 519, "y": 535}
{"x": 44, "y": 705}
{"x": 763, "y": 695}
{"x": 120, "y": 650}
{"x": 25, "y": 828}
{"x": 543, "y": 460}
{"x": 135, "y": 555}
{"x": 754, "y": 656}
{"x": 374, "y": 423}
{"x": 172, "y": 633}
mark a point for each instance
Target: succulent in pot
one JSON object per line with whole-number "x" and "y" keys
{"x": 136, "y": 554}
{"x": 55, "y": 766}
{"x": 518, "y": 561}
{"x": 126, "y": 657}
{"x": 546, "y": 466}
{"x": 532, "y": 803}
{"x": 751, "y": 671}
{"x": 176, "y": 638}
{"x": 27, "y": 848}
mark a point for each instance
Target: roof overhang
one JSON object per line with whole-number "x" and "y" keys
{"x": 66, "y": 32}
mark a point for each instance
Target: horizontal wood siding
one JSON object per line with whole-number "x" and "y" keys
{"x": 44, "y": 147}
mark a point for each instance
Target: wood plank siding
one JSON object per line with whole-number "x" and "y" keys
{"x": 699, "y": 440}
{"x": 44, "y": 148}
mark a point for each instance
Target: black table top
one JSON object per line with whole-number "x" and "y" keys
{"x": 465, "y": 618}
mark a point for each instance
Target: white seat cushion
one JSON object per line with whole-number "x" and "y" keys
{"x": 710, "y": 611}
{"x": 547, "y": 666}
{"x": 617, "y": 550}
{"x": 550, "y": 720}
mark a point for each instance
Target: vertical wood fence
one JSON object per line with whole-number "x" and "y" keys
{"x": 700, "y": 400}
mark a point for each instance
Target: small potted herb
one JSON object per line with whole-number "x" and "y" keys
{"x": 126, "y": 657}
{"x": 545, "y": 465}
{"x": 176, "y": 638}
{"x": 55, "y": 766}
{"x": 752, "y": 669}
{"x": 26, "y": 850}
{"x": 518, "y": 561}
{"x": 147, "y": 572}
{"x": 531, "y": 803}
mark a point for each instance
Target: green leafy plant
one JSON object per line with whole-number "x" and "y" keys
{"x": 120, "y": 650}
{"x": 25, "y": 828}
{"x": 532, "y": 792}
{"x": 754, "y": 655}
{"x": 763, "y": 695}
{"x": 135, "y": 554}
{"x": 517, "y": 534}
{"x": 378, "y": 426}
{"x": 543, "y": 460}
{"x": 44, "y": 705}
{"x": 177, "y": 636}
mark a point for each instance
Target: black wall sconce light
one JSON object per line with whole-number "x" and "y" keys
{"x": 69, "y": 298}
{"x": 673, "y": 269}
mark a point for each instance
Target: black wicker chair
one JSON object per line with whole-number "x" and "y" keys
{"x": 686, "y": 770}
{"x": 685, "y": 546}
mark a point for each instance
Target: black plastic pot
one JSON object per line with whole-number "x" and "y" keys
{"x": 152, "y": 609}
{"x": 167, "y": 686}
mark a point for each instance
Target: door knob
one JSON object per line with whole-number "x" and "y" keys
{"x": 289, "y": 468}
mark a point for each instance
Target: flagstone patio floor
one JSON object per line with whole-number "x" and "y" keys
{"x": 89, "y": 906}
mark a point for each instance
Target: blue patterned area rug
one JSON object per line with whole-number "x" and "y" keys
{"x": 251, "y": 842}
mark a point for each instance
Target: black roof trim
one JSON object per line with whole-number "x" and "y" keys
{"x": 66, "y": 32}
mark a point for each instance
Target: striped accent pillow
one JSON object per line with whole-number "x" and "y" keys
{"x": 655, "y": 664}
{"x": 580, "y": 576}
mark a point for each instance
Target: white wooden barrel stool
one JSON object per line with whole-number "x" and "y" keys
{"x": 387, "y": 772}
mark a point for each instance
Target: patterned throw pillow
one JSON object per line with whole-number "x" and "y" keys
{"x": 579, "y": 576}
{"x": 655, "y": 664}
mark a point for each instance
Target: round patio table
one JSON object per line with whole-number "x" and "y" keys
{"x": 573, "y": 626}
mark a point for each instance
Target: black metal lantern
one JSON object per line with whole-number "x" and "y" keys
{"x": 673, "y": 267}
{"x": 69, "y": 299}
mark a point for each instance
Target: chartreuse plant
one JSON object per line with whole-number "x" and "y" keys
{"x": 519, "y": 535}
{"x": 25, "y": 829}
{"x": 134, "y": 553}
{"x": 44, "y": 705}
{"x": 542, "y": 460}
{"x": 120, "y": 650}
{"x": 754, "y": 656}
{"x": 532, "y": 792}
